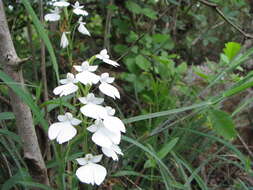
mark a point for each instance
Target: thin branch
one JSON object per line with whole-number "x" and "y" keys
{"x": 215, "y": 7}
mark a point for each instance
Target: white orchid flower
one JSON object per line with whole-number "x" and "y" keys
{"x": 92, "y": 107}
{"x": 81, "y": 28}
{"x": 78, "y": 9}
{"x": 68, "y": 86}
{"x": 103, "y": 55}
{"x": 10, "y": 7}
{"x": 61, "y": 3}
{"x": 106, "y": 88}
{"x": 112, "y": 152}
{"x": 90, "y": 172}
{"x": 63, "y": 130}
{"x": 111, "y": 122}
{"x": 86, "y": 76}
{"x": 53, "y": 16}
{"x": 64, "y": 40}
{"x": 102, "y": 136}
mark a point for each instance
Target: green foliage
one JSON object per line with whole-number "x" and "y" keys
{"x": 222, "y": 123}
{"x": 178, "y": 133}
{"x": 231, "y": 49}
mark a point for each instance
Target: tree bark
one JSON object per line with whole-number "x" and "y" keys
{"x": 24, "y": 122}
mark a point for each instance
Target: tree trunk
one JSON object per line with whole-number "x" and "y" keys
{"x": 24, "y": 122}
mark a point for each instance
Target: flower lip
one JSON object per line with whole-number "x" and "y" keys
{"x": 61, "y": 3}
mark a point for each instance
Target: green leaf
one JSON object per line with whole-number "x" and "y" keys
{"x": 133, "y": 7}
{"x": 11, "y": 135}
{"x": 165, "y": 172}
{"x": 25, "y": 96}
{"x": 231, "y": 49}
{"x": 6, "y": 116}
{"x": 222, "y": 123}
{"x": 160, "y": 38}
{"x": 238, "y": 89}
{"x": 142, "y": 62}
{"x": 43, "y": 35}
{"x": 149, "y": 13}
{"x": 166, "y": 113}
{"x": 162, "y": 153}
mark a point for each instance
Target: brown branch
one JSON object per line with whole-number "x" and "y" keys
{"x": 215, "y": 7}
{"x": 24, "y": 120}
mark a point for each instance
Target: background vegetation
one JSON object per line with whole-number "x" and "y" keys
{"x": 185, "y": 82}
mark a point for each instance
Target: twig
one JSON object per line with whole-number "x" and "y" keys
{"x": 245, "y": 146}
{"x": 5, "y": 100}
{"x": 215, "y": 7}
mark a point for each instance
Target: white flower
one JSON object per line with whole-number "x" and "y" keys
{"x": 102, "y": 136}
{"x": 53, "y": 16}
{"x": 103, "y": 55}
{"x": 112, "y": 151}
{"x": 86, "y": 76}
{"x": 90, "y": 172}
{"x": 93, "y": 109}
{"x": 63, "y": 130}
{"x": 78, "y": 10}
{"x": 10, "y": 7}
{"x": 64, "y": 40}
{"x": 81, "y": 28}
{"x": 113, "y": 123}
{"x": 61, "y": 3}
{"x": 106, "y": 88}
{"x": 68, "y": 86}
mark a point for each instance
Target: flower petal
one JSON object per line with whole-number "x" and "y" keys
{"x": 110, "y": 153}
{"x": 61, "y": 4}
{"x": 100, "y": 139}
{"x": 109, "y": 90}
{"x": 82, "y": 161}
{"x": 67, "y": 133}
{"x": 99, "y": 173}
{"x": 64, "y": 40}
{"x": 91, "y": 174}
{"x": 82, "y": 29}
{"x": 66, "y": 89}
{"x": 62, "y": 118}
{"x": 97, "y": 158}
{"x": 114, "y": 124}
{"x": 86, "y": 77}
{"x": 78, "y": 68}
{"x": 92, "y": 128}
{"x": 54, "y": 130}
{"x": 52, "y": 17}
{"x": 78, "y": 11}
{"x": 85, "y": 174}
{"x": 93, "y": 111}
{"x": 111, "y": 62}
{"x": 75, "y": 121}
